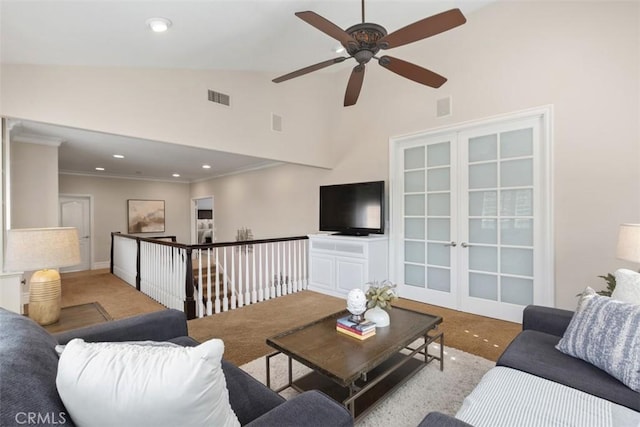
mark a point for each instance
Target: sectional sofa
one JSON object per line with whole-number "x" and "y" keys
{"x": 29, "y": 365}
{"x": 535, "y": 384}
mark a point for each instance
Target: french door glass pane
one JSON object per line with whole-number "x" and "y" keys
{"x": 439, "y": 204}
{"x": 414, "y": 158}
{"x": 484, "y": 175}
{"x": 483, "y": 231}
{"x": 483, "y": 203}
{"x": 439, "y": 279}
{"x": 414, "y": 182}
{"x": 516, "y": 143}
{"x": 516, "y": 261}
{"x": 438, "y": 154}
{"x": 414, "y": 228}
{"x": 439, "y": 254}
{"x": 483, "y": 148}
{"x": 439, "y": 229}
{"x": 483, "y": 286}
{"x": 414, "y": 275}
{"x": 516, "y": 202}
{"x": 515, "y": 290}
{"x": 438, "y": 179}
{"x": 414, "y": 252}
{"x": 517, "y": 232}
{"x": 414, "y": 205}
{"x": 483, "y": 258}
{"x": 516, "y": 173}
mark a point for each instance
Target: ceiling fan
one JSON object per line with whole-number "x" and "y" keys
{"x": 363, "y": 41}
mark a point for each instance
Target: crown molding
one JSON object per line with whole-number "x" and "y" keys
{"x": 37, "y": 139}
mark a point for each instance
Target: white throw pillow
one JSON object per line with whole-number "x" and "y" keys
{"x": 127, "y": 384}
{"x": 627, "y": 286}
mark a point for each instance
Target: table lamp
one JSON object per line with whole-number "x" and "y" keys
{"x": 629, "y": 242}
{"x": 44, "y": 250}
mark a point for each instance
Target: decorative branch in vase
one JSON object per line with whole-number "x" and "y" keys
{"x": 379, "y": 298}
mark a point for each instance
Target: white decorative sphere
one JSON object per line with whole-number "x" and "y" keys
{"x": 356, "y": 301}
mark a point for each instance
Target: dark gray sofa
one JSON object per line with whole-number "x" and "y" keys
{"x": 533, "y": 351}
{"x": 28, "y": 368}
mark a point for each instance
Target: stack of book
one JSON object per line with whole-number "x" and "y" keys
{"x": 361, "y": 331}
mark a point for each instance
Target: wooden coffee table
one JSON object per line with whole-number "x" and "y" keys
{"x": 359, "y": 374}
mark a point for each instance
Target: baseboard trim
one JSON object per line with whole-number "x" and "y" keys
{"x": 100, "y": 265}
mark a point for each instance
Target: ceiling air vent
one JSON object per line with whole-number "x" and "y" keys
{"x": 219, "y": 98}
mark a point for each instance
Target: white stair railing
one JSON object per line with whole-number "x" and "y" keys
{"x": 206, "y": 279}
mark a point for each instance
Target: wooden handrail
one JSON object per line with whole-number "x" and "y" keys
{"x": 174, "y": 244}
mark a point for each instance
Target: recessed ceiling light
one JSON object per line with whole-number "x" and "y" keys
{"x": 118, "y": 156}
{"x": 206, "y": 166}
{"x": 99, "y": 169}
{"x": 176, "y": 175}
{"x": 158, "y": 25}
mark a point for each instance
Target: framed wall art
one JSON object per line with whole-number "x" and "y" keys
{"x": 145, "y": 216}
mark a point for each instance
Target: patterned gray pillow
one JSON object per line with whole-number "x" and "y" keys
{"x": 606, "y": 333}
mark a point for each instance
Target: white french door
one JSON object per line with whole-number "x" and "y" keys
{"x": 470, "y": 212}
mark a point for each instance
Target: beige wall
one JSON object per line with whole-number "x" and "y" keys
{"x": 508, "y": 57}
{"x": 34, "y": 189}
{"x": 110, "y": 197}
{"x": 274, "y": 202}
{"x": 581, "y": 57}
{"x": 172, "y": 106}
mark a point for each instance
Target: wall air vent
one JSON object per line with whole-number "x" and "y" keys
{"x": 443, "y": 107}
{"x": 219, "y": 98}
{"x": 276, "y": 122}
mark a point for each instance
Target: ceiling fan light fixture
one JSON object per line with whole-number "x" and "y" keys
{"x": 158, "y": 25}
{"x": 363, "y": 41}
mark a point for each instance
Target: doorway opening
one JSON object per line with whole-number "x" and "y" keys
{"x": 203, "y": 228}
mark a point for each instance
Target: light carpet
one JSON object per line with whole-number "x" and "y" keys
{"x": 429, "y": 390}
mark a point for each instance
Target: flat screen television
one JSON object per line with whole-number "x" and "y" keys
{"x": 352, "y": 209}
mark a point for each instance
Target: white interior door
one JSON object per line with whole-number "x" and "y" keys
{"x": 471, "y": 217}
{"x": 500, "y": 203}
{"x": 428, "y": 176}
{"x": 75, "y": 211}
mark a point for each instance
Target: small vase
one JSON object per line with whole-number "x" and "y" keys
{"x": 378, "y": 316}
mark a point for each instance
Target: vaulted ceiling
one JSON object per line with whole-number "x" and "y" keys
{"x": 262, "y": 35}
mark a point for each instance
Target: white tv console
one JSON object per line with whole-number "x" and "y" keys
{"x": 338, "y": 264}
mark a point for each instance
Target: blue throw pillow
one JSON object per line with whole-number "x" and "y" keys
{"x": 606, "y": 333}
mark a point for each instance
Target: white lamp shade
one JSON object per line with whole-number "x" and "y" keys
{"x": 629, "y": 242}
{"x": 30, "y": 249}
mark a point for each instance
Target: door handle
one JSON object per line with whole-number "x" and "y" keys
{"x": 452, "y": 244}
{"x": 465, "y": 245}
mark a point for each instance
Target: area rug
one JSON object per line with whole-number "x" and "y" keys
{"x": 79, "y": 316}
{"x": 429, "y": 390}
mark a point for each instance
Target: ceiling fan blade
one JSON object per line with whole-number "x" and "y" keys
{"x": 309, "y": 69}
{"x": 422, "y": 29}
{"x": 354, "y": 85}
{"x": 327, "y": 27}
{"x": 412, "y": 71}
